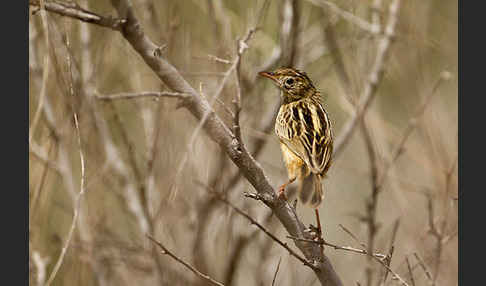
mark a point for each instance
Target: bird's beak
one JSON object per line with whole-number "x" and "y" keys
{"x": 269, "y": 75}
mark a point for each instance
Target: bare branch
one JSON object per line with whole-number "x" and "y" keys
{"x": 424, "y": 268}
{"x": 338, "y": 247}
{"x": 410, "y": 271}
{"x": 77, "y": 204}
{"x": 412, "y": 124}
{"x": 391, "y": 248}
{"x": 45, "y": 73}
{"x": 352, "y": 235}
{"x": 187, "y": 265}
{"x": 373, "y": 80}
{"x": 383, "y": 261}
{"x": 236, "y": 145}
{"x": 360, "y": 23}
{"x": 72, "y": 10}
{"x": 276, "y": 271}
{"x": 143, "y": 94}
{"x": 261, "y": 227}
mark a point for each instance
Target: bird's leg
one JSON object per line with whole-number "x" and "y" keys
{"x": 319, "y": 230}
{"x": 281, "y": 189}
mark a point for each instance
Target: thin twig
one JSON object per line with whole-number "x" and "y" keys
{"x": 187, "y": 265}
{"x": 412, "y": 124}
{"x": 381, "y": 261}
{"x": 362, "y": 24}
{"x": 276, "y": 271}
{"x": 143, "y": 94}
{"x": 219, "y": 60}
{"x": 410, "y": 271}
{"x": 338, "y": 247}
{"x": 352, "y": 235}
{"x": 391, "y": 248}
{"x": 424, "y": 268}
{"x": 261, "y": 227}
{"x": 77, "y": 204}
{"x": 73, "y": 10}
{"x": 242, "y": 47}
{"x": 45, "y": 72}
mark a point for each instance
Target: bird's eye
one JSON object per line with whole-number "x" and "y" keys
{"x": 289, "y": 81}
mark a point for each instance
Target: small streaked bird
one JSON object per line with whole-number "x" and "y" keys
{"x": 305, "y": 132}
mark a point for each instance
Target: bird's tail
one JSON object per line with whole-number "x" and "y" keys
{"x": 318, "y": 194}
{"x": 311, "y": 187}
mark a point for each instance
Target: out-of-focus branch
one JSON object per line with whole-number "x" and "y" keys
{"x": 187, "y": 265}
{"x": 145, "y": 94}
{"x": 383, "y": 261}
{"x": 424, "y": 268}
{"x": 391, "y": 249}
{"x": 77, "y": 204}
{"x": 412, "y": 124}
{"x": 45, "y": 73}
{"x": 362, "y": 24}
{"x": 261, "y": 227}
{"x": 73, "y": 10}
{"x": 40, "y": 264}
{"x": 242, "y": 46}
{"x": 374, "y": 78}
{"x": 276, "y": 271}
{"x": 410, "y": 271}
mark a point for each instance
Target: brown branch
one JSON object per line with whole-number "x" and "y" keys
{"x": 73, "y": 10}
{"x": 338, "y": 247}
{"x": 242, "y": 46}
{"x": 144, "y": 94}
{"x": 373, "y": 80}
{"x": 424, "y": 268}
{"x": 384, "y": 262}
{"x": 77, "y": 204}
{"x": 412, "y": 124}
{"x": 261, "y": 227}
{"x": 362, "y": 24}
{"x": 391, "y": 248}
{"x": 410, "y": 271}
{"x": 187, "y": 265}
{"x": 276, "y": 271}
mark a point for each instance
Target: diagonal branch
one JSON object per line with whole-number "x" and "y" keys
{"x": 362, "y": 24}
{"x": 261, "y": 227}
{"x": 187, "y": 265}
{"x": 71, "y": 9}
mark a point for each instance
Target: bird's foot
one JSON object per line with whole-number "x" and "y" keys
{"x": 281, "y": 192}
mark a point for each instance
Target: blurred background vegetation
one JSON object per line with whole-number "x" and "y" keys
{"x": 140, "y": 143}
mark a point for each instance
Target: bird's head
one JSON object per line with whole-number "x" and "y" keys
{"x": 293, "y": 83}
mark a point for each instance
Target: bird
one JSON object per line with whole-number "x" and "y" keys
{"x": 305, "y": 133}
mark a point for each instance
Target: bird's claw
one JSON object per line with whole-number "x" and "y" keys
{"x": 281, "y": 193}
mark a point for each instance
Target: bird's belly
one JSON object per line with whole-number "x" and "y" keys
{"x": 295, "y": 165}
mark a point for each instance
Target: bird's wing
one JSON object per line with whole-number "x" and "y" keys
{"x": 304, "y": 127}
